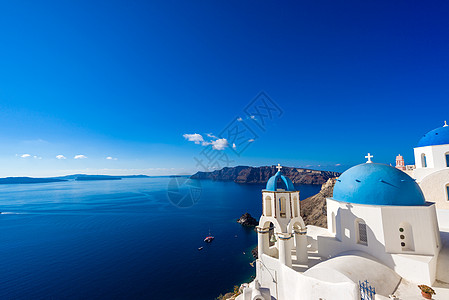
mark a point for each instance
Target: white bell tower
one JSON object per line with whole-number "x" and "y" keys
{"x": 281, "y": 211}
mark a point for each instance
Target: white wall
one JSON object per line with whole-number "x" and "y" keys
{"x": 443, "y": 219}
{"x": 383, "y": 223}
{"x": 345, "y": 232}
{"x": 355, "y": 267}
{"x": 436, "y": 160}
{"x": 434, "y": 188}
{"x": 418, "y": 269}
{"x": 422, "y": 220}
{"x": 287, "y": 284}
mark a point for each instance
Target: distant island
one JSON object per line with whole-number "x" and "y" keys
{"x": 260, "y": 175}
{"x": 97, "y": 177}
{"x": 75, "y": 177}
{"x": 22, "y": 180}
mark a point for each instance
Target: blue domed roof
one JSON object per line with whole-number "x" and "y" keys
{"x": 377, "y": 184}
{"x": 272, "y": 182}
{"x": 439, "y": 136}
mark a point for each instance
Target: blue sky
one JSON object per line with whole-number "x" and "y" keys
{"x": 127, "y": 79}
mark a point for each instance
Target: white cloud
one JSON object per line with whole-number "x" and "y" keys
{"x": 60, "y": 156}
{"x": 250, "y": 140}
{"x": 111, "y": 158}
{"x": 37, "y": 157}
{"x": 239, "y": 119}
{"x": 253, "y": 117}
{"x": 219, "y": 144}
{"x": 80, "y": 156}
{"x": 338, "y": 165}
{"x": 25, "y": 155}
{"x": 234, "y": 146}
{"x": 195, "y": 137}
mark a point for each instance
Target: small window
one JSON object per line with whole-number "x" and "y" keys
{"x": 447, "y": 159}
{"x": 406, "y": 237}
{"x": 362, "y": 237}
{"x": 282, "y": 206}
{"x": 423, "y": 160}
{"x": 334, "y": 223}
{"x": 362, "y": 234}
{"x": 268, "y": 206}
{"x": 447, "y": 192}
{"x": 295, "y": 207}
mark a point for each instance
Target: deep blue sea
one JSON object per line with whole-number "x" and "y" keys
{"x": 127, "y": 239}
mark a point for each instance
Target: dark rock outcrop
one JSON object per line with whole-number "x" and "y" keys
{"x": 255, "y": 252}
{"x": 260, "y": 175}
{"x": 247, "y": 220}
{"x": 313, "y": 209}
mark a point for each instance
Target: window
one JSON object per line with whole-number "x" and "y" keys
{"x": 334, "y": 223}
{"x": 447, "y": 192}
{"x": 271, "y": 236}
{"x": 362, "y": 237}
{"x": 295, "y": 207}
{"x": 362, "y": 234}
{"x": 406, "y": 237}
{"x": 423, "y": 160}
{"x": 267, "y": 205}
{"x": 447, "y": 159}
{"x": 282, "y": 207}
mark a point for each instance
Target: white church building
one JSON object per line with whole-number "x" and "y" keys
{"x": 380, "y": 229}
{"x": 432, "y": 166}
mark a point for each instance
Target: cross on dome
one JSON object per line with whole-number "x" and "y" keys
{"x": 445, "y": 124}
{"x": 369, "y": 156}
{"x": 279, "y": 167}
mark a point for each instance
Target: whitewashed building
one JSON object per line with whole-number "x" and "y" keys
{"x": 432, "y": 166}
{"x": 380, "y": 230}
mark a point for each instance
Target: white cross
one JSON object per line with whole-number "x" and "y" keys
{"x": 445, "y": 124}
{"x": 279, "y": 167}
{"x": 369, "y": 156}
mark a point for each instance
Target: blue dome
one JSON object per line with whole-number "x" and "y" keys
{"x": 439, "y": 136}
{"x": 272, "y": 182}
{"x": 377, "y": 184}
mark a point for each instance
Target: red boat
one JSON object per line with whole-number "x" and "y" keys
{"x": 209, "y": 239}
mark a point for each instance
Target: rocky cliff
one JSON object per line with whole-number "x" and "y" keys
{"x": 247, "y": 220}
{"x": 260, "y": 175}
{"x": 313, "y": 209}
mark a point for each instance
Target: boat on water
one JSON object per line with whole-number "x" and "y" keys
{"x": 200, "y": 248}
{"x": 209, "y": 238}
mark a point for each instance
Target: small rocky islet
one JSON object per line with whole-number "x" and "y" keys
{"x": 247, "y": 220}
